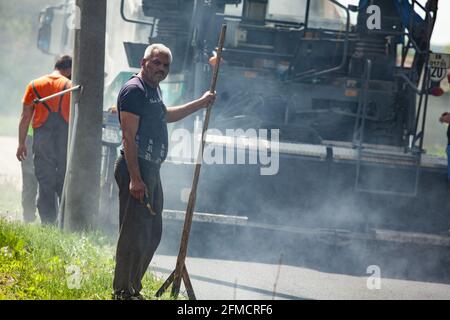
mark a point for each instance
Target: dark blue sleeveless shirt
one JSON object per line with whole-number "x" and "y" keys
{"x": 146, "y": 102}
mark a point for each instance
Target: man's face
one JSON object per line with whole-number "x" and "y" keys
{"x": 156, "y": 67}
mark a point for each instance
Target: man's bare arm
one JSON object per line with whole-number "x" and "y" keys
{"x": 25, "y": 119}
{"x": 179, "y": 112}
{"x": 130, "y": 125}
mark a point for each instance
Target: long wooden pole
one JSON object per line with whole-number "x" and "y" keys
{"x": 180, "y": 269}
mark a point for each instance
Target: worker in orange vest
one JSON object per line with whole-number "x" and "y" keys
{"x": 50, "y": 125}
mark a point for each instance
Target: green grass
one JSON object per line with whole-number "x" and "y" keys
{"x": 436, "y": 150}
{"x": 43, "y": 263}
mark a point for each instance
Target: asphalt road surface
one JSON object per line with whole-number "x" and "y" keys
{"x": 234, "y": 280}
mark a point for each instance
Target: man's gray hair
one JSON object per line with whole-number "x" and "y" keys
{"x": 158, "y": 47}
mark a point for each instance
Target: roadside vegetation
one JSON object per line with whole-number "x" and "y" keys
{"x": 42, "y": 262}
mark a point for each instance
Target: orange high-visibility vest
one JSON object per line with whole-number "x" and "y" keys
{"x": 44, "y": 87}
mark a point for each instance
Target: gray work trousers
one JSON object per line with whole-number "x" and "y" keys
{"x": 50, "y": 156}
{"x": 140, "y": 232}
{"x": 29, "y": 184}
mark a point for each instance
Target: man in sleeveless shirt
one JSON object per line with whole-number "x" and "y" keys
{"x": 143, "y": 117}
{"x": 50, "y": 126}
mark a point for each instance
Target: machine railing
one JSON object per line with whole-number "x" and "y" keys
{"x": 424, "y": 55}
{"x": 361, "y": 114}
{"x": 409, "y": 75}
{"x": 410, "y": 160}
{"x": 125, "y": 18}
{"x": 314, "y": 73}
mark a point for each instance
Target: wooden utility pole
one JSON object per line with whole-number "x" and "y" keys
{"x": 82, "y": 189}
{"x": 180, "y": 269}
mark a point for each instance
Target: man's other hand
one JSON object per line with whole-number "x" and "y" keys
{"x": 138, "y": 189}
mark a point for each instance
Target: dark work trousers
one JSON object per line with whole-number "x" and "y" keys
{"x": 140, "y": 232}
{"x": 29, "y": 184}
{"x": 50, "y": 156}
